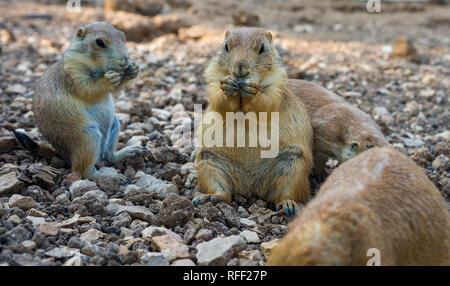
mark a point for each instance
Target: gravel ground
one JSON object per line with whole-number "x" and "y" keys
{"x": 49, "y": 216}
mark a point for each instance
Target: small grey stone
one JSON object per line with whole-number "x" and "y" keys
{"x": 154, "y": 259}
{"x": 122, "y": 220}
{"x": 231, "y": 217}
{"x": 204, "y": 234}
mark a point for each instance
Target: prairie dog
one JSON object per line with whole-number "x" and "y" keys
{"x": 340, "y": 129}
{"x": 73, "y": 100}
{"x": 380, "y": 199}
{"x": 247, "y": 75}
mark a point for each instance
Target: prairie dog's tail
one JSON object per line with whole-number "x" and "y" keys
{"x": 40, "y": 149}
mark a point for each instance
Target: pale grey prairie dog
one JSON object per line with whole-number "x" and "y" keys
{"x": 73, "y": 100}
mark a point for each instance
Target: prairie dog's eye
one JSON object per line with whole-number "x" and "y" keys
{"x": 368, "y": 146}
{"x": 261, "y": 50}
{"x": 226, "y": 48}
{"x": 100, "y": 43}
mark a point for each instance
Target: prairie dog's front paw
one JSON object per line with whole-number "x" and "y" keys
{"x": 131, "y": 71}
{"x": 229, "y": 86}
{"x": 249, "y": 87}
{"x": 114, "y": 78}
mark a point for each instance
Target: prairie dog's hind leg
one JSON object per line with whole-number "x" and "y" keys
{"x": 213, "y": 177}
{"x": 88, "y": 152}
{"x": 111, "y": 142}
{"x": 286, "y": 179}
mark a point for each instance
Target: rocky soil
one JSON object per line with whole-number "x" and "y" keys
{"x": 394, "y": 65}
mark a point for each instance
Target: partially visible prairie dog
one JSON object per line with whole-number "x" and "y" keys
{"x": 247, "y": 75}
{"x": 379, "y": 199}
{"x": 73, "y": 103}
{"x": 340, "y": 129}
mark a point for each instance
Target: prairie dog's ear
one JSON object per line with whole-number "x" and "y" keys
{"x": 227, "y": 34}
{"x": 268, "y": 36}
{"x": 81, "y": 32}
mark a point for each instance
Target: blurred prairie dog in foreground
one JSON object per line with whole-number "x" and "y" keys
{"x": 380, "y": 199}
{"x": 73, "y": 102}
{"x": 340, "y": 129}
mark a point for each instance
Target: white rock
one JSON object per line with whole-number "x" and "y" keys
{"x": 250, "y": 236}
{"x": 91, "y": 235}
{"x": 71, "y": 221}
{"x": 124, "y": 118}
{"x": 109, "y": 171}
{"x": 48, "y": 228}
{"x": 413, "y": 143}
{"x": 29, "y": 244}
{"x": 138, "y": 212}
{"x": 441, "y": 162}
{"x": 443, "y": 135}
{"x": 153, "y": 231}
{"x": 74, "y": 261}
{"x": 170, "y": 247}
{"x": 22, "y": 202}
{"x": 36, "y": 220}
{"x": 154, "y": 185}
{"x": 247, "y": 222}
{"x": 183, "y": 262}
{"x": 15, "y": 89}
{"x": 35, "y": 212}
{"x": 79, "y": 188}
{"x": 62, "y": 252}
{"x": 161, "y": 114}
{"x": 15, "y": 219}
{"x": 427, "y": 93}
{"x": 219, "y": 250}
{"x": 381, "y": 113}
{"x": 124, "y": 106}
{"x": 9, "y": 183}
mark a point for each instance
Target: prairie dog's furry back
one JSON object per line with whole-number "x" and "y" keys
{"x": 340, "y": 129}
{"x": 380, "y": 199}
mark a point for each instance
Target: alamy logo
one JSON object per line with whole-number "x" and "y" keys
{"x": 262, "y": 130}
{"x": 376, "y": 257}
{"x": 73, "y": 6}
{"x": 373, "y": 6}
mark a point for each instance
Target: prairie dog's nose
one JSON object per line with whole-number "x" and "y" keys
{"x": 240, "y": 69}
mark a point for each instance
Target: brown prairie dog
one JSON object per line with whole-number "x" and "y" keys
{"x": 247, "y": 75}
{"x": 379, "y": 199}
{"x": 340, "y": 129}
